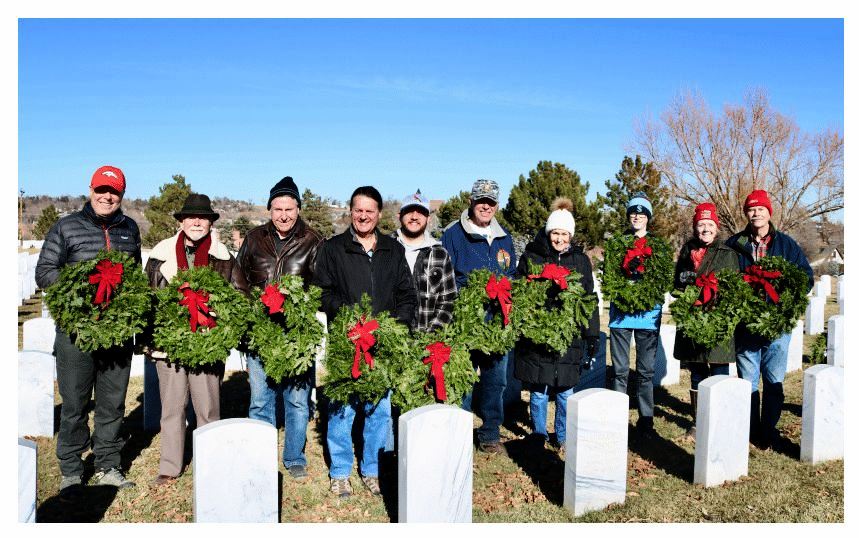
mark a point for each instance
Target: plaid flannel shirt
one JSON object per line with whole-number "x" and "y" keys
{"x": 435, "y": 284}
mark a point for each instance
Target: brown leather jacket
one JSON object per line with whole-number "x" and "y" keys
{"x": 261, "y": 262}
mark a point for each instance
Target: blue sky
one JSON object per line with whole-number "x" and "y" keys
{"x": 236, "y": 104}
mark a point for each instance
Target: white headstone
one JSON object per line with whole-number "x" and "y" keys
{"x": 841, "y": 306}
{"x": 722, "y": 430}
{"x": 434, "y": 464}
{"x": 835, "y": 341}
{"x": 667, "y": 369}
{"x": 732, "y": 369}
{"x": 27, "y": 472}
{"x": 23, "y": 263}
{"x": 235, "y": 472}
{"x": 31, "y": 282}
{"x": 794, "y": 349}
{"x": 822, "y": 414}
{"x": 35, "y": 393}
{"x": 39, "y": 335}
{"x": 235, "y": 361}
{"x": 840, "y": 289}
{"x": 320, "y": 351}
{"x": 137, "y": 365}
{"x": 595, "y": 466}
{"x": 814, "y": 315}
{"x": 825, "y": 285}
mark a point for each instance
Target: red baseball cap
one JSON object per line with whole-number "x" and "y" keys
{"x": 705, "y": 211}
{"x": 758, "y": 198}
{"x": 108, "y": 176}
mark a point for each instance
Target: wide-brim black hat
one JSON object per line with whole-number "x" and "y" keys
{"x": 197, "y": 205}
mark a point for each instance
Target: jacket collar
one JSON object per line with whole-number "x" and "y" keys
{"x": 495, "y": 229}
{"x": 166, "y": 252}
{"x": 428, "y": 240}
{"x": 116, "y": 218}
{"x": 297, "y": 230}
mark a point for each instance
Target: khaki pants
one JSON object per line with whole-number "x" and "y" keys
{"x": 175, "y": 383}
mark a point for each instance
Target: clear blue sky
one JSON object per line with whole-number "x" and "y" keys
{"x": 234, "y": 105}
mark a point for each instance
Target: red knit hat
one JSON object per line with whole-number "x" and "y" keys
{"x": 109, "y": 176}
{"x": 705, "y": 211}
{"x": 758, "y": 198}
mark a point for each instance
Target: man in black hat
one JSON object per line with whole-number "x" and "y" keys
{"x": 193, "y": 246}
{"x": 285, "y": 245}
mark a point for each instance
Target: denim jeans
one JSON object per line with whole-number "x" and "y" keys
{"x": 540, "y": 395}
{"x": 699, "y": 371}
{"x": 489, "y": 390}
{"x": 377, "y": 426}
{"x": 296, "y": 410}
{"x": 758, "y": 359}
{"x": 646, "y": 341}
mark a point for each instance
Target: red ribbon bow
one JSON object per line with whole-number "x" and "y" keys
{"x": 758, "y": 277}
{"x": 108, "y": 276}
{"x": 197, "y": 307}
{"x": 361, "y": 334}
{"x": 709, "y": 286}
{"x": 555, "y": 273}
{"x": 439, "y": 355}
{"x": 273, "y": 299}
{"x": 639, "y": 251}
{"x": 500, "y": 289}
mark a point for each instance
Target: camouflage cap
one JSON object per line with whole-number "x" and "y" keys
{"x": 484, "y": 188}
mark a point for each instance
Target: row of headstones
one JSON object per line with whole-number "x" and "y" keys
{"x": 26, "y": 276}
{"x": 814, "y": 316}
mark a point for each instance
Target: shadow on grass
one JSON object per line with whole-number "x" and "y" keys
{"x": 82, "y": 504}
{"x": 664, "y": 454}
{"x": 543, "y": 467}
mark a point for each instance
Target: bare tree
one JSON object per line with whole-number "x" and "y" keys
{"x": 722, "y": 158}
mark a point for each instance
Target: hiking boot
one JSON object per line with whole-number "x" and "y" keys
{"x": 494, "y": 447}
{"x": 644, "y": 428}
{"x": 113, "y": 477}
{"x": 536, "y": 440}
{"x": 372, "y": 484}
{"x": 341, "y": 487}
{"x": 69, "y": 485}
{"x": 297, "y": 471}
{"x": 163, "y": 480}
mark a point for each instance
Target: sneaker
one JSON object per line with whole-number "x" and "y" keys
{"x": 69, "y": 484}
{"x": 372, "y": 484}
{"x": 297, "y": 471}
{"x": 113, "y": 477}
{"x": 341, "y": 487}
{"x": 492, "y": 448}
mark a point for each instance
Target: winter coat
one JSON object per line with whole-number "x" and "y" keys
{"x": 469, "y": 250}
{"x": 345, "y": 272}
{"x": 718, "y": 256}
{"x": 262, "y": 263}
{"x": 539, "y": 364}
{"x": 162, "y": 265}
{"x": 781, "y": 244}
{"x": 79, "y": 237}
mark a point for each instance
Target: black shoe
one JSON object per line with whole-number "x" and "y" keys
{"x": 297, "y": 471}
{"x": 492, "y": 448}
{"x": 536, "y": 440}
{"x": 644, "y": 428}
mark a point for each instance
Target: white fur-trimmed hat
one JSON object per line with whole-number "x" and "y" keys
{"x": 561, "y": 218}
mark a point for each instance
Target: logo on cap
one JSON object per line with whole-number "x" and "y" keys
{"x": 639, "y": 209}
{"x": 110, "y": 173}
{"x": 705, "y": 214}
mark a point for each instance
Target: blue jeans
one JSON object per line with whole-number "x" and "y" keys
{"x": 699, "y": 371}
{"x": 539, "y": 405}
{"x": 490, "y": 395}
{"x": 758, "y": 359}
{"x": 377, "y": 425}
{"x": 296, "y": 410}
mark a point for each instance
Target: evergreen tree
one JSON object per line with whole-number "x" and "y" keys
{"x": 389, "y": 221}
{"x": 49, "y": 216}
{"x": 314, "y": 211}
{"x": 242, "y": 224}
{"x": 170, "y": 199}
{"x": 451, "y": 209}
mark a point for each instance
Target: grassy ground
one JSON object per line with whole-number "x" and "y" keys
{"x": 524, "y": 486}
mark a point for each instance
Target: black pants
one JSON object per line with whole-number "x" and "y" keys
{"x": 646, "y": 342}
{"x": 78, "y": 373}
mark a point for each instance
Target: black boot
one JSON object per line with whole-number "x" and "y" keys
{"x": 755, "y": 419}
{"x": 773, "y": 399}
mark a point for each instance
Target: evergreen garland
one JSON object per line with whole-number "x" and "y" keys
{"x": 287, "y": 341}
{"x": 91, "y": 327}
{"x": 712, "y": 323}
{"x": 392, "y": 341}
{"x": 767, "y": 318}
{"x": 642, "y": 293}
{"x": 173, "y": 334}
{"x": 478, "y": 323}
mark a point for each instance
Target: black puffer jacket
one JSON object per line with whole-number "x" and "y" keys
{"x": 539, "y": 364}
{"x": 345, "y": 272}
{"x": 79, "y": 237}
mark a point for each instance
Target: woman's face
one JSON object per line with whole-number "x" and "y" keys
{"x": 705, "y": 231}
{"x": 560, "y": 239}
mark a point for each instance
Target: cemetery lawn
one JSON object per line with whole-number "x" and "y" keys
{"x": 523, "y": 486}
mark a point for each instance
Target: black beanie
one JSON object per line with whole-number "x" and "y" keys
{"x": 284, "y": 187}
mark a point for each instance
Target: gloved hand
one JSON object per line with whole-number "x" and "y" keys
{"x": 688, "y": 277}
{"x": 592, "y": 346}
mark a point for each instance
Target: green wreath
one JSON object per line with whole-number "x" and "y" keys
{"x": 391, "y": 341}
{"x": 557, "y": 321}
{"x": 771, "y": 319}
{"x": 113, "y": 322}
{"x": 644, "y": 291}
{"x": 414, "y": 384}
{"x": 286, "y": 341}
{"x": 207, "y": 345}
{"x": 712, "y": 323}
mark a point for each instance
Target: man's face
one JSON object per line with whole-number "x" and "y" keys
{"x": 284, "y": 213}
{"x": 196, "y": 227}
{"x": 758, "y": 216}
{"x": 365, "y": 214}
{"x": 638, "y": 221}
{"x": 104, "y": 200}
{"x": 414, "y": 221}
{"x": 482, "y": 210}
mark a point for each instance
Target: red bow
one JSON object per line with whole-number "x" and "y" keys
{"x": 273, "y": 299}
{"x": 108, "y": 276}
{"x": 555, "y": 273}
{"x": 500, "y": 289}
{"x": 757, "y": 277}
{"x": 639, "y": 251}
{"x": 439, "y": 355}
{"x": 361, "y": 334}
{"x": 709, "y": 286}
{"x": 197, "y": 307}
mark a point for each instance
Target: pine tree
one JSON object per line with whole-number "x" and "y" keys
{"x": 49, "y": 216}
{"x": 314, "y": 211}
{"x": 451, "y": 209}
{"x": 170, "y": 199}
{"x": 389, "y": 221}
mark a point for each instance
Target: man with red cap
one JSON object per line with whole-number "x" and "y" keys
{"x": 78, "y": 237}
{"x": 757, "y": 357}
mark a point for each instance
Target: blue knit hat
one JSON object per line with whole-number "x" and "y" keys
{"x": 639, "y": 203}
